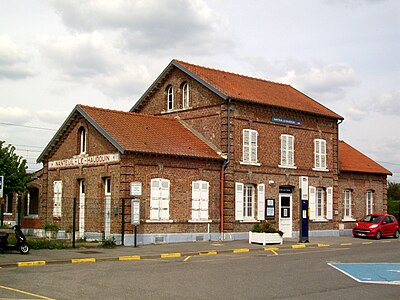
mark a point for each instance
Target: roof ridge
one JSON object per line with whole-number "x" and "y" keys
{"x": 232, "y": 73}
{"x": 126, "y": 112}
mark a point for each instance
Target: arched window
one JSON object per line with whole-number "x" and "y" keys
{"x": 82, "y": 141}
{"x": 170, "y": 98}
{"x": 185, "y": 95}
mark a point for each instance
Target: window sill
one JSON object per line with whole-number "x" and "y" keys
{"x": 348, "y": 220}
{"x": 7, "y": 214}
{"x": 32, "y": 216}
{"x": 249, "y": 221}
{"x": 320, "y": 220}
{"x": 199, "y": 221}
{"x": 287, "y": 167}
{"x": 159, "y": 221}
{"x": 320, "y": 170}
{"x": 175, "y": 110}
{"x": 250, "y": 163}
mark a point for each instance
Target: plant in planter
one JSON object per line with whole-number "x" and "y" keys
{"x": 265, "y": 233}
{"x": 50, "y": 230}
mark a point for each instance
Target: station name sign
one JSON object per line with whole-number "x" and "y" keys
{"x": 287, "y": 121}
{"x": 78, "y": 161}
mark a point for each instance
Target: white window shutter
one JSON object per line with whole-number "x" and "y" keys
{"x": 329, "y": 203}
{"x": 311, "y": 202}
{"x": 164, "y": 213}
{"x": 57, "y": 191}
{"x": 246, "y": 145}
{"x": 239, "y": 201}
{"x": 253, "y": 145}
{"x": 155, "y": 199}
{"x": 204, "y": 201}
{"x": 261, "y": 201}
{"x": 290, "y": 147}
{"x": 317, "y": 154}
{"x": 196, "y": 196}
{"x": 284, "y": 148}
{"x": 323, "y": 154}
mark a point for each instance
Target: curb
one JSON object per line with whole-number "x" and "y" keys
{"x": 159, "y": 256}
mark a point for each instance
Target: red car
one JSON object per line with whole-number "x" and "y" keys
{"x": 377, "y": 226}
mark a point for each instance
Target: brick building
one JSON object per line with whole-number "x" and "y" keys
{"x": 228, "y": 149}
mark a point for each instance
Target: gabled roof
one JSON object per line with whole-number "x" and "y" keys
{"x": 132, "y": 132}
{"x": 352, "y": 160}
{"x": 243, "y": 88}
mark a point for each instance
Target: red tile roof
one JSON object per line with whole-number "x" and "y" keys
{"x": 258, "y": 90}
{"x": 352, "y": 160}
{"x": 149, "y": 134}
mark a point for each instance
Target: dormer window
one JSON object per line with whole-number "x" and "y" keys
{"x": 82, "y": 139}
{"x": 170, "y": 98}
{"x": 185, "y": 95}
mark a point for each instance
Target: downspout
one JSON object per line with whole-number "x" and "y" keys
{"x": 224, "y": 166}
{"x": 338, "y": 141}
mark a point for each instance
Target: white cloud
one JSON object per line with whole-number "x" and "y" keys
{"x": 388, "y": 103}
{"x": 14, "y": 62}
{"x": 13, "y": 115}
{"x": 153, "y": 26}
{"x": 356, "y": 113}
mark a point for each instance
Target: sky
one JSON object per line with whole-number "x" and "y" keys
{"x": 57, "y": 54}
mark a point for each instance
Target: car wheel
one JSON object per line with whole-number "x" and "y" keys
{"x": 396, "y": 234}
{"x": 378, "y": 235}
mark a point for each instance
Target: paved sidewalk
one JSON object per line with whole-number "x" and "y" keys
{"x": 77, "y": 255}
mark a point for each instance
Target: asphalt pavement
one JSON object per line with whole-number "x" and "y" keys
{"x": 90, "y": 253}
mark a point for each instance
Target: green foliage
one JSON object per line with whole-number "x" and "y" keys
{"x": 43, "y": 243}
{"x": 265, "y": 227}
{"x": 50, "y": 227}
{"x": 393, "y": 198}
{"x": 13, "y": 168}
{"x": 109, "y": 243}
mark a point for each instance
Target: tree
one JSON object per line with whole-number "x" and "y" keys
{"x": 13, "y": 168}
{"x": 393, "y": 197}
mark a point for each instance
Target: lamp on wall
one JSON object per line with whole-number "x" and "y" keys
{"x": 271, "y": 182}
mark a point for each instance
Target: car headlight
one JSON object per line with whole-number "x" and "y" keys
{"x": 373, "y": 226}
{"x": 357, "y": 224}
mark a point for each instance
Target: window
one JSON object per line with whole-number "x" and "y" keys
{"x": 107, "y": 186}
{"x": 9, "y": 203}
{"x": 320, "y": 203}
{"x": 57, "y": 198}
{"x": 32, "y": 201}
{"x": 185, "y": 95}
{"x": 370, "y": 201}
{"x": 159, "y": 199}
{"x": 249, "y": 146}
{"x": 200, "y": 191}
{"x": 320, "y": 154}
{"x": 170, "y": 98}
{"x": 347, "y": 204}
{"x": 82, "y": 141}
{"x": 245, "y": 209}
{"x": 287, "y": 150}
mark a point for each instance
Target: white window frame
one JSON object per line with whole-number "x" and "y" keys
{"x": 244, "y": 200}
{"x": 320, "y": 155}
{"x": 159, "y": 199}
{"x": 57, "y": 198}
{"x": 287, "y": 151}
{"x": 347, "y": 204}
{"x": 82, "y": 141}
{"x": 185, "y": 95}
{"x": 248, "y": 202}
{"x": 170, "y": 98}
{"x": 369, "y": 202}
{"x": 250, "y": 145}
{"x": 200, "y": 201}
{"x": 9, "y": 204}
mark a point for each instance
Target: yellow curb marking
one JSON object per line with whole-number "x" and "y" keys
{"x": 170, "y": 255}
{"x": 25, "y": 293}
{"x": 208, "y": 252}
{"x": 187, "y": 258}
{"x": 274, "y": 252}
{"x": 83, "y": 260}
{"x": 133, "y": 257}
{"x": 346, "y": 244}
{"x": 298, "y": 246}
{"x": 323, "y": 245}
{"x": 31, "y": 263}
{"x": 366, "y": 243}
{"x": 241, "y": 250}
{"x": 270, "y": 248}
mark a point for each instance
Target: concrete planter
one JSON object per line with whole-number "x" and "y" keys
{"x": 265, "y": 238}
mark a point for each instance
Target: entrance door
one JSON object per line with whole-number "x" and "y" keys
{"x": 107, "y": 194}
{"x": 81, "y": 208}
{"x": 285, "y": 214}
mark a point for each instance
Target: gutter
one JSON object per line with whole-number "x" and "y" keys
{"x": 224, "y": 166}
{"x": 338, "y": 141}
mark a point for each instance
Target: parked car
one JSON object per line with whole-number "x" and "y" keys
{"x": 377, "y": 226}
